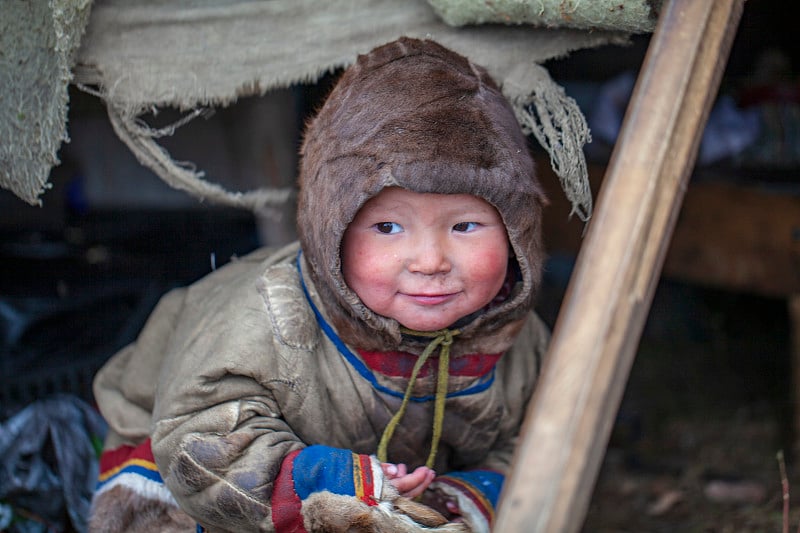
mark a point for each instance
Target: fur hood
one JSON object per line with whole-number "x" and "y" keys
{"x": 416, "y": 115}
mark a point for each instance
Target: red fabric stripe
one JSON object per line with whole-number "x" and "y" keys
{"x": 400, "y": 364}
{"x": 368, "y": 484}
{"x": 113, "y": 458}
{"x": 286, "y": 504}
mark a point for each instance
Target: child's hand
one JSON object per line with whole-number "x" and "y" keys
{"x": 452, "y": 508}
{"x": 408, "y": 485}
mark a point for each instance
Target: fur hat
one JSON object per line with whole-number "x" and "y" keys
{"x": 415, "y": 115}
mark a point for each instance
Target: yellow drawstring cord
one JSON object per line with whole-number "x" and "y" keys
{"x": 443, "y": 338}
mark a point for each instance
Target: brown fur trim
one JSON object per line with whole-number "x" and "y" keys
{"x": 325, "y": 512}
{"x": 121, "y": 510}
{"x": 420, "y": 513}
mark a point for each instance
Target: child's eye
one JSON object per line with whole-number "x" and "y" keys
{"x": 388, "y": 227}
{"x": 464, "y": 227}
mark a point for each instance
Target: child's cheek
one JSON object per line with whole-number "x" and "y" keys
{"x": 375, "y": 273}
{"x": 489, "y": 264}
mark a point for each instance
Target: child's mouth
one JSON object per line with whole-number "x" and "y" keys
{"x": 430, "y": 299}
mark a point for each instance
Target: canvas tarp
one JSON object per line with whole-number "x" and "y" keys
{"x": 140, "y": 55}
{"x": 635, "y": 16}
{"x": 38, "y": 41}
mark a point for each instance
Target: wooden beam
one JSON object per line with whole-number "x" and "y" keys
{"x": 739, "y": 237}
{"x": 733, "y": 232}
{"x": 568, "y": 423}
{"x": 793, "y": 307}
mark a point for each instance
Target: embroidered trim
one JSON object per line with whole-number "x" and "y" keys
{"x": 363, "y": 479}
{"x": 481, "y": 487}
{"x": 400, "y": 364}
{"x": 134, "y": 469}
{"x": 321, "y": 468}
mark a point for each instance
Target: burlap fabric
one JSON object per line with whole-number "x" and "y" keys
{"x": 143, "y": 54}
{"x": 635, "y": 16}
{"x": 38, "y": 41}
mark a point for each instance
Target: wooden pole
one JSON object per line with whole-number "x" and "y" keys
{"x": 793, "y": 307}
{"x": 569, "y": 421}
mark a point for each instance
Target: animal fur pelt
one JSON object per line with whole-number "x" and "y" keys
{"x": 121, "y": 510}
{"x": 400, "y": 516}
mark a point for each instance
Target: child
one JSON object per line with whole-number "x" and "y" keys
{"x": 377, "y": 370}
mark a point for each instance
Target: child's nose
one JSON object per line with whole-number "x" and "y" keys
{"x": 429, "y": 257}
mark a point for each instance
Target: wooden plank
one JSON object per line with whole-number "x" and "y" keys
{"x": 731, "y": 234}
{"x": 737, "y": 237}
{"x": 793, "y": 308}
{"x": 570, "y": 417}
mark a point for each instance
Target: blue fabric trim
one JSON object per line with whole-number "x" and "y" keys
{"x": 484, "y": 383}
{"x": 488, "y": 482}
{"x": 322, "y": 468}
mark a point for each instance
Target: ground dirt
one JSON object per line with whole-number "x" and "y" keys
{"x": 705, "y": 416}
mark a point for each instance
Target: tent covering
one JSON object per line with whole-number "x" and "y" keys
{"x": 635, "y": 17}
{"x": 140, "y": 55}
{"x": 38, "y": 41}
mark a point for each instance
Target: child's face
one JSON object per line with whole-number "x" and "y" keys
{"x": 425, "y": 260}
